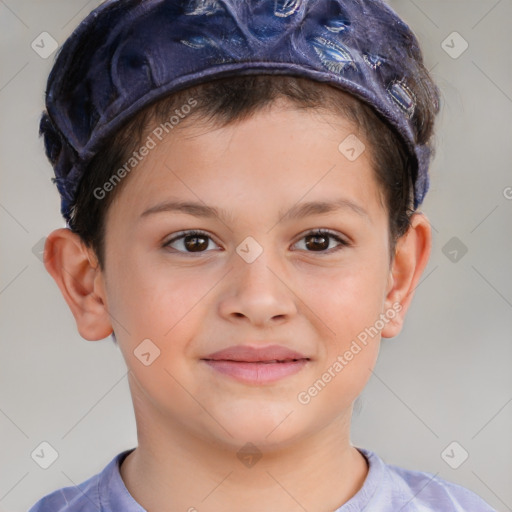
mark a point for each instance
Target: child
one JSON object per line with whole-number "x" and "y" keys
{"x": 290, "y": 141}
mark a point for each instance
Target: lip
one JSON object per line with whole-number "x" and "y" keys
{"x": 250, "y": 354}
{"x": 257, "y": 365}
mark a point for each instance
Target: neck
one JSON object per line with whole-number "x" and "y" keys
{"x": 174, "y": 469}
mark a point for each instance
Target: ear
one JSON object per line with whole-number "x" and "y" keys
{"x": 76, "y": 271}
{"x": 411, "y": 257}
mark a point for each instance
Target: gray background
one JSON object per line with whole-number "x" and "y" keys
{"x": 447, "y": 377}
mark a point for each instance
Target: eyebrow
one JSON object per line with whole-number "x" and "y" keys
{"x": 297, "y": 211}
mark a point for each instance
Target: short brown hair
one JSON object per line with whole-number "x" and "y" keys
{"x": 228, "y": 99}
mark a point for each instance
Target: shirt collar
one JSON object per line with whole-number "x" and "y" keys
{"x": 114, "y": 495}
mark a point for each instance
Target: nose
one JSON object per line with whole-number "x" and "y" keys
{"x": 258, "y": 292}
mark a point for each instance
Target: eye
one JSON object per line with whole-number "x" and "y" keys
{"x": 319, "y": 240}
{"x": 195, "y": 241}
{"x": 192, "y": 241}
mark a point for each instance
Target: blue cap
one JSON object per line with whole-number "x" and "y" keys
{"x": 128, "y": 53}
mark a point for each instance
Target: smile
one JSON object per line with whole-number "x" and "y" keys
{"x": 257, "y": 372}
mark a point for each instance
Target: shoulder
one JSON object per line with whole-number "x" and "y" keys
{"x": 420, "y": 491}
{"x": 426, "y": 491}
{"x": 83, "y": 497}
{"x": 80, "y": 498}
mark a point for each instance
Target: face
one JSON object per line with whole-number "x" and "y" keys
{"x": 257, "y": 275}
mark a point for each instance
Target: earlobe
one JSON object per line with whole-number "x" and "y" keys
{"x": 74, "y": 268}
{"x": 411, "y": 257}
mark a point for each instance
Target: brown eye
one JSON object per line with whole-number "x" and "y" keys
{"x": 191, "y": 242}
{"x": 319, "y": 241}
{"x": 195, "y": 242}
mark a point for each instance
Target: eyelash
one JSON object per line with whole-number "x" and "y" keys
{"x": 315, "y": 232}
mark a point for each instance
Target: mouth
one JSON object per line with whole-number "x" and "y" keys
{"x": 257, "y": 365}
{"x": 262, "y": 361}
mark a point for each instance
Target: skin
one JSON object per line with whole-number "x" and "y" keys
{"x": 192, "y": 420}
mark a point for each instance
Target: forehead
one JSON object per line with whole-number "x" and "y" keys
{"x": 277, "y": 157}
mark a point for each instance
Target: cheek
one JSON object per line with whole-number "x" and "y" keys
{"x": 154, "y": 298}
{"x": 167, "y": 308}
{"x": 348, "y": 302}
{"x": 350, "y": 347}
{"x": 349, "y": 298}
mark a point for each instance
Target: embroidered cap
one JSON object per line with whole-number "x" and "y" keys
{"x": 128, "y": 53}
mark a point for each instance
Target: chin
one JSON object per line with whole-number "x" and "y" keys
{"x": 268, "y": 428}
